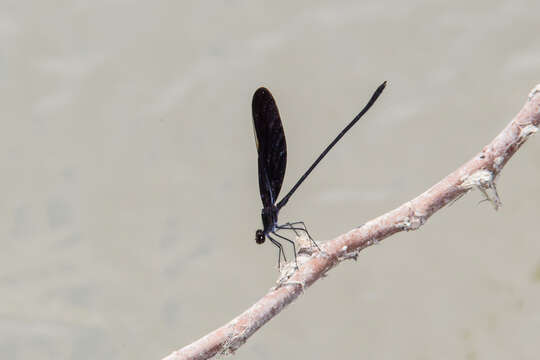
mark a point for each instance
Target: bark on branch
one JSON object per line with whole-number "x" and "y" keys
{"x": 480, "y": 172}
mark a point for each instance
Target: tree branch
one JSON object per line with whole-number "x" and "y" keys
{"x": 480, "y": 172}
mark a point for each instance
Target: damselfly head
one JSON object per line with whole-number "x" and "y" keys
{"x": 259, "y": 236}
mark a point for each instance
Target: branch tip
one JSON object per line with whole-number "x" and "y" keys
{"x": 534, "y": 91}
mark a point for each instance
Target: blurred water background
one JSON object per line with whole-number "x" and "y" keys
{"x": 129, "y": 193}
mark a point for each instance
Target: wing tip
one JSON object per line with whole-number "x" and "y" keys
{"x": 262, "y": 92}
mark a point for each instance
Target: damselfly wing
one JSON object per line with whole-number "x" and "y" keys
{"x": 271, "y": 146}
